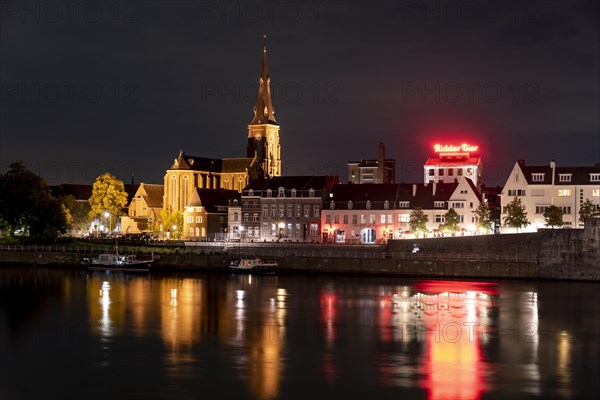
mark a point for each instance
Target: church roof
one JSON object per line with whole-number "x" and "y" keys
{"x": 205, "y": 164}
{"x": 235, "y": 164}
{"x": 264, "y": 113}
{"x": 154, "y": 194}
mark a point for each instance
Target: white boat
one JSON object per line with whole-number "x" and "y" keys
{"x": 117, "y": 262}
{"x": 255, "y": 265}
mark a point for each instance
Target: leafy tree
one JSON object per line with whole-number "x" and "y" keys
{"x": 553, "y": 216}
{"x": 26, "y": 201}
{"x": 79, "y": 212}
{"x": 418, "y": 221}
{"x": 588, "y": 210}
{"x": 516, "y": 214}
{"x": 170, "y": 219}
{"x": 452, "y": 219}
{"x": 108, "y": 196}
{"x": 484, "y": 216}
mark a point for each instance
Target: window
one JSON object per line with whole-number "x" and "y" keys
{"x": 198, "y": 219}
{"x": 403, "y": 204}
{"x": 404, "y": 218}
{"x": 564, "y": 177}
{"x": 255, "y": 217}
{"x": 459, "y": 172}
{"x": 431, "y": 172}
{"x": 314, "y": 229}
{"x": 459, "y": 205}
{"x": 336, "y": 219}
{"x": 332, "y": 205}
{"x": 439, "y": 218}
{"x": 235, "y": 216}
{"x": 564, "y": 192}
{"x": 566, "y": 210}
{"x": 306, "y": 211}
{"x": 298, "y": 211}
{"x": 386, "y": 205}
{"x": 273, "y": 212}
{"x": 281, "y": 192}
{"x": 290, "y": 210}
{"x": 327, "y": 218}
{"x": 388, "y": 219}
{"x": 250, "y": 192}
{"x": 265, "y": 211}
{"x": 371, "y": 218}
{"x": 346, "y": 219}
{"x": 540, "y": 209}
{"x": 595, "y": 177}
{"x": 367, "y": 176}
{"x": 441, "y": 172}
{"x": 382, "y": 218}
{"x": 350, "y": 205}
{"x": 293, "y": 192}
{"x": 450, "y": 171}
{"x": 439, "y": 204}
{"x": 316, "y": 212}
{"x": 281, "y": 211}
{"x": 516, "y": 192}
{"x": 363, "y": 219}
{"x": 368, "y": 204}
{"x": 190, "y": 219}
{"x": 221, "y": 220}
{"x": 311, "y": 192}
{"x": 595, "y": 192}
{"x": 537, "y": 177}
{"x": 246, "y": 217}
{"x": 355, "y": 219}
{"x": 197, "y": 231}
{"x": 191, "y": 231}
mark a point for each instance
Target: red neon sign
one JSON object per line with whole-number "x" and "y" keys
{"x": 449, "y": 148}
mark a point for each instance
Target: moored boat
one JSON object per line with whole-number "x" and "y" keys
{"x": 117, "y": 262}
{"x": 254, "y": 265}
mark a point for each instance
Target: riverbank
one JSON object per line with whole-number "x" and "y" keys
{"x": 562, "y": 254}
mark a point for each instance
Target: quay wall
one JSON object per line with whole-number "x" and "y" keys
{"x": 570, "y": 254}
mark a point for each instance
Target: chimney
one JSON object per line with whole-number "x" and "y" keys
{"x": 434, "y": 187}
{"x": 414, "y": 189}
{"x": 381, "y": 164}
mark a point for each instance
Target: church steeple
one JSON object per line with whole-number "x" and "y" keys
{"x": 264, "y": 113}
{"x": 263, "y": 131}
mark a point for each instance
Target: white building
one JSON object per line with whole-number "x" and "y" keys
{"x": 541, "y": 186}
{"x": 453, "y": 162}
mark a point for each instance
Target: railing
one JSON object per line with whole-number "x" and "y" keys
{"x": 262, "y": 250}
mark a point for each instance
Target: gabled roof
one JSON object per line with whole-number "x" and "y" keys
{"x": 154, "y": 194}
{"x": 579, "y": 175}
{"x": 205, "y": 164}
{"x": 211, "y": 199}
{"x": 445, "y": 162}
{"x": 423, "y": 196}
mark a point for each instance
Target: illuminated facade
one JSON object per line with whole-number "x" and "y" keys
{"x": 144, "y": 209}
{"x": 284, "y": 208}
{"x": 453, "y": 162}
{"x": 263, "y": 156}
{"x": 541, "y": 186}
{"x": 376, "y": 213}
{"x": 205, "y": 216}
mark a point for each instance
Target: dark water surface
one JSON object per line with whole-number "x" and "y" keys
{"x": 68, "y": 334}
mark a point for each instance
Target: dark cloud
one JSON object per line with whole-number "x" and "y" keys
{"x": 127, "y": 87}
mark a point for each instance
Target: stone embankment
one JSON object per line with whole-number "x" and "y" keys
{"x": 572, "y": 254}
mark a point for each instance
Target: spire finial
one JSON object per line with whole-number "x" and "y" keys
{"x": 265, "y": 38}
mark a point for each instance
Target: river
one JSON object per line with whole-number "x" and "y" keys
{"x": 71, "y": 334}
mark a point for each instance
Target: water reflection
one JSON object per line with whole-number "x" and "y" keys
{"x": 429, "y": 339}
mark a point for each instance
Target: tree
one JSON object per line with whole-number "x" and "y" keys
{"x": 171, "y": 219}
{"x": 108, "y": 196}
{"x": 26, "y": 202}
{"x": 418, "y": 221}
{"x": 588, "y": 210}
{"x": 553, "y": 216}
{"x": 79, "y": 211}
{"x": 516, "y": 214}
{"x": 484, "y": 216}
{"x": 452, "y": 219}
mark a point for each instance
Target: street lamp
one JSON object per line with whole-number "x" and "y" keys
{"x": 109, "y": 216}
{"x": 174, "y": 230}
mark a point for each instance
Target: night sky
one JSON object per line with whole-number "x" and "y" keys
{"x": 122, "y": 86}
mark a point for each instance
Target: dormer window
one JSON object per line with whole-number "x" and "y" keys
{"x": 537, "y": 177}
{"x": 594, "y": 177}
{"x": 403, "y": 204}
{"x": 386, "y": 205}
{"x": 281, "y": 192}
{"x": 293, "y": 192}
{"x": 269, "y": 193}
{"x": 311, "y": 193}
{"x": 439, "y": 204}
{"x": 250, "y": 192}
{"x": 564, "y": 177}
{"x": 332, "y": 205}
{"x": 368, "y": 204}
{"x": 350, "y": 205}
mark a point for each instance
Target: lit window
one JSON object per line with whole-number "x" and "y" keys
{"x": 596, "y": 192}
{"x": 368, "y": 204}
{"x": 382, "y": 219}
{"x": 595, "y": 177}
{"x": 564, "y": 192}
{"x": 403, "y": 204}
{"x": 311, "y": 193}
{"x": 371, "y": 218}
{"x": 281, "y": 192}
{"x": 439, "y": 204}
{"x": 269, "y": 193}
{"x": 540, "y": 209}
{"x": 331, "y": 205}
{"x": 199, "y": 219}
{"x": 386, "y": 205}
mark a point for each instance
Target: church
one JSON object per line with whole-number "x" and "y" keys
{"x": 263, "y": 156}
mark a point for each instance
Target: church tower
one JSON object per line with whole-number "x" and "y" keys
{"x": 263, "y": 131}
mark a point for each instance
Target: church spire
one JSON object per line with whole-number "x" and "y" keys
{"x": 264, "y": 113}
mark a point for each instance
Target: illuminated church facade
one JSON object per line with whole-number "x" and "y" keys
{"x": 263, "y": 157}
